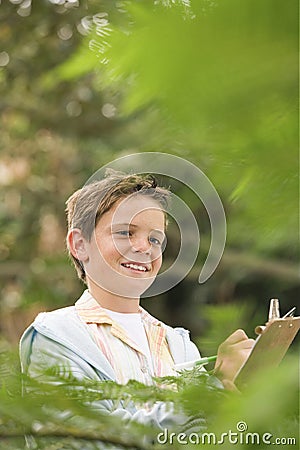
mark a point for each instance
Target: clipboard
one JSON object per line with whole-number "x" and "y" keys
{"x": 270, "y": 346}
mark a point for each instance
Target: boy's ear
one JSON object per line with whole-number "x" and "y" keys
{"x": 77, "y": 244}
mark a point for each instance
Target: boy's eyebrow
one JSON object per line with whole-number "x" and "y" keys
{"x": 159, "y": 231}
{"x": 126, "y": 224}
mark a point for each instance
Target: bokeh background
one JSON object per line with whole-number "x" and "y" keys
{"x": 85, "y": 82}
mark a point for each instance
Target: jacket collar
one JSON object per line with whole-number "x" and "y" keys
{"x": 91, "y": 312}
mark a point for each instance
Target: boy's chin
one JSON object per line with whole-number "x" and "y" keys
{"x": 125, "y": 286}
{"x": 136, "y": 287}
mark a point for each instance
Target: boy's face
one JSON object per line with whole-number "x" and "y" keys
{"x": 125, "y": 251}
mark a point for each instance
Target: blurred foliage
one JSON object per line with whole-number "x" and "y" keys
{"x": 61, "y": 417}
{"x": 225, "y": 76}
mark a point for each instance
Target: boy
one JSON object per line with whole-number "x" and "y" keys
{"x": 116, "y": 234}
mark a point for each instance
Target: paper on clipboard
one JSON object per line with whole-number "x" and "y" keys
{"x": 269, "y": 348}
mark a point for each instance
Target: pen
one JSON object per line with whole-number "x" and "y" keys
{"x": 199, "y": 362}
{"x": 206, "y": 360}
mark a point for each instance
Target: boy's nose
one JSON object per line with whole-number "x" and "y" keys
{"x": 141, "y": 245}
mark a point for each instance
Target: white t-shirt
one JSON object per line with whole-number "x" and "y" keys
{"x": 133, "y": 325}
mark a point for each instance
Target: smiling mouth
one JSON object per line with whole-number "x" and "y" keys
{"x": 136, "y": 267}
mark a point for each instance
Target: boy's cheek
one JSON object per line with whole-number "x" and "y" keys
{"x": 157, "y": 263}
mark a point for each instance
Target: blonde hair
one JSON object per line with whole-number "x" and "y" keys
{"x": 86, "y": 205}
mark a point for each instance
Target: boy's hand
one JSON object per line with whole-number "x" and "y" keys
{"x": 232, "y": 354}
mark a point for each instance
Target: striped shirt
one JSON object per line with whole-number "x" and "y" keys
{"x": 126, "y": 358}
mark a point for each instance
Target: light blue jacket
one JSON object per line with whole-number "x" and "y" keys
{"x": 61, "y": 339}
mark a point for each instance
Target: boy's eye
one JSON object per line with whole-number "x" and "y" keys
{"x": 154, "y": 241}
{"x": 123, "y": 233}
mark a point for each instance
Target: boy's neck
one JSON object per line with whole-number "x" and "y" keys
{"x": 113, "y": 302}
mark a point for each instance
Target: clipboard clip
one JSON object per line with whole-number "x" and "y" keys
{"x": 274, "y": 314}
{"x": 271, "y": 345}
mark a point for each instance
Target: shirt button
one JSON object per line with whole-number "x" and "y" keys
{"x": 144, "y": 369}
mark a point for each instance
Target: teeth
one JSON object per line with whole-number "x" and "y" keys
{"x": 136, "y": 267}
